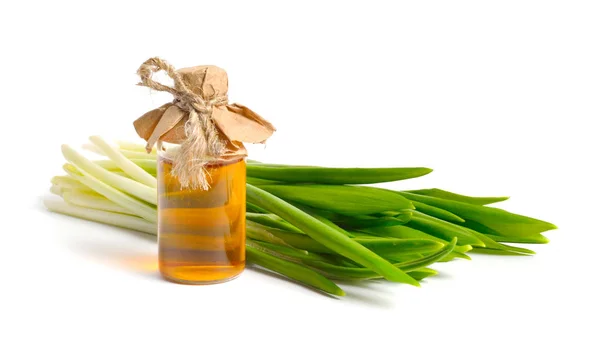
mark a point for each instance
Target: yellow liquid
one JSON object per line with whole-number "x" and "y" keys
{"x": 202, "y": 234}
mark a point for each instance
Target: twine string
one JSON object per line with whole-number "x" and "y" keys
{"x": 203, "y": 142}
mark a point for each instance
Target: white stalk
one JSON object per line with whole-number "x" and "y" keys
{"x": 132, "y": 146}
{"x": 134, "y": 205}
{"x": 65, "y": 181}
{"x": 105, "y": 217}
{"x": 86, "y": 200}
{"x": 148, "y": 165}
{"x": 139, "y": 155}
{"x": 129, "y": 186}
{"x": 92, "y": 148}
{"x": 136, "y": 172}
{"x": 69, "y": 183}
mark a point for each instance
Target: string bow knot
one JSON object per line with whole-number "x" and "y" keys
{"x": 199, "y": 119}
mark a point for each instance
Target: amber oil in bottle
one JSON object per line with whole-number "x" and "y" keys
{"x": 202, "y": 233}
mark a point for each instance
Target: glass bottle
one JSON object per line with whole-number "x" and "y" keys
{"x": 201, "y": 233}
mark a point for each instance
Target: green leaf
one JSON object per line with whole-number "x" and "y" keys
{"x": 323, "y": 216}
{"x": 290, "y": 253}
{"x": 331, "y": 175}
{"x": 500, "y": 221}
{"x": 294, "y": 271}
{"x": 443, "y": 229}
{"x": 327, "y": 236}
{"x": 531, "y": 239}
{"x": 253, "y": 208}
{"x": 400, "y": 232}
{"x": 492, "y": 244}
{"x": 437, "y": 212}
{"x": 344, "y": 200}
{"x": 366, "y": 221}
{"x": 257, "y": 181}
{"x": 272, "y": 221}
{"x": 344, "y": 273}
{"x": 428, "y": 259}
{"x": 494, "y": 251}
{"x": 395, "y": 246}
{"x": 457, "y": 197}
{"x": 422, "y": 273}
{"x": 454, "y": 255}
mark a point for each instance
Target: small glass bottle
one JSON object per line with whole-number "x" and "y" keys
{"x": 201, "y": 233}
{"x": 201, "y": 230}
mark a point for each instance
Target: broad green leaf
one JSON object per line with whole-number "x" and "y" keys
{"x": 499, "y": 220}
{"x": 341, "y": 199}
{"x": 330, "y": 175}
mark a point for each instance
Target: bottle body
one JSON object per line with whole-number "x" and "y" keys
{"x": 202, "y": 233}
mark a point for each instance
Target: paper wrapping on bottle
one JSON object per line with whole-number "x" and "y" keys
{"x": 235, "y": 123}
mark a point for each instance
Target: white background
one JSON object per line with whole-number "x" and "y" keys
{"x": 499, "y": 97}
